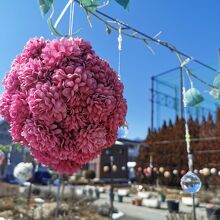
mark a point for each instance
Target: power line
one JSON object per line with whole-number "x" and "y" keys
{"x": 182, "y": 140}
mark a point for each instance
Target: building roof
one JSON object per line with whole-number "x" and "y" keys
{"x": 119, "y": 143}
{"x": 132, "y": 142}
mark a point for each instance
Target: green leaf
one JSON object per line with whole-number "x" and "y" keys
{"x": 108, "y": 30}
{"x": 90, "y": 5}
{"x": 45, "y": 6}
{"x": 124, "y": 3}
{"x": 193, "y": 97}
{"x": 217, "y": 81}
{"x": 54, "y": 30}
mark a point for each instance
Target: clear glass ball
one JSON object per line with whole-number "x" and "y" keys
{"x": 190, "y": 182}
{"x": 123, "y": 131}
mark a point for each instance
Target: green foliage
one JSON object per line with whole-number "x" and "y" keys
{"x": 19, "y": 147}
{"x": 4, "y": 147}
{"x": 90, "y": 5}
{"x": 124, "y": 3}
{"x": 45, "y": 6}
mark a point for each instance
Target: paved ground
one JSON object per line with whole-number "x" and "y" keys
{"x": 140, "y": 212}
{"x": 143, "y": 213}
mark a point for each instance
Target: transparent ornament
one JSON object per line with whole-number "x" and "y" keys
{"x": 190, "y": 182}
{"x": 123, "y": 131}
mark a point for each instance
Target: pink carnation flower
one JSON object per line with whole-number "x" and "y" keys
{"x": 63, "y": 101}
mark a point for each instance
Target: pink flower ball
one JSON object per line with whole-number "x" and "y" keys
{"x": 63, "y": 101}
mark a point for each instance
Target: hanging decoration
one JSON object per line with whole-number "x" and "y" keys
{"x": 146, "y": 172}
{"x": 215, "y": 92}
{"x": 193, "y": 97}
{"x": 106, "y": 169}
{"x": 123, "y": 131}
{"x": 72, "y": 102}
{"x": 196, "y": 171}
{"x": 23, "y": 171}
{"x": 114, "y": 168}
{"x": 167, "y": 174}
{"x": 175, "y": 172}
{"x": 161, "y": 169}
{"x": 213, "y": 171}
{"x": 139, "y": 169}
{"x": 155, "y": 169}
{"x": 190, "y": 183}
{"x": 205, "y": 171}
{"x": 182, "y": 172}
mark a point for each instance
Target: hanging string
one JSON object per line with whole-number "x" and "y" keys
{"x": 62, "y": 13}
{"x": 106, "y": 3}
{"x": 71, "y": 17}
{"x": 119, "y": 51}
{"x": 183, "y": 63}
{"x": 119, "y": 47}
{"x": 187, "y": 134}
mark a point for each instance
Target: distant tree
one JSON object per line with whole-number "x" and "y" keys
{"x": 168, "y": 148}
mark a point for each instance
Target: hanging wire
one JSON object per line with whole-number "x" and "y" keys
{"x": 119, "y": 47}
{"x": 106, "y": 3}
{"x": 183, "y": 63}
{"x": 219, "y": 59}
{"x": 145, "y": 36}
{"x": 71, "y": 17}
{"x": 62, "y": 13}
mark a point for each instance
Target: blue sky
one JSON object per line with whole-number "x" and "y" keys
{"x": 192, "y": 26}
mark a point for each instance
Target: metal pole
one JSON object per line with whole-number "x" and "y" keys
{"x": 111, "y": 189}
{"x": 152, "y": 103}
{"x": 29, "y": 196}
{"x": 151, "y": 160}
{"x": 194, "y": 206}
{"x": 58, "y": 197}
{"x": 190, "y": 161}
{"x": 181, "y": 93}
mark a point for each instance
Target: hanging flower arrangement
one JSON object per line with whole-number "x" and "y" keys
{"x": 63, "y": 101}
